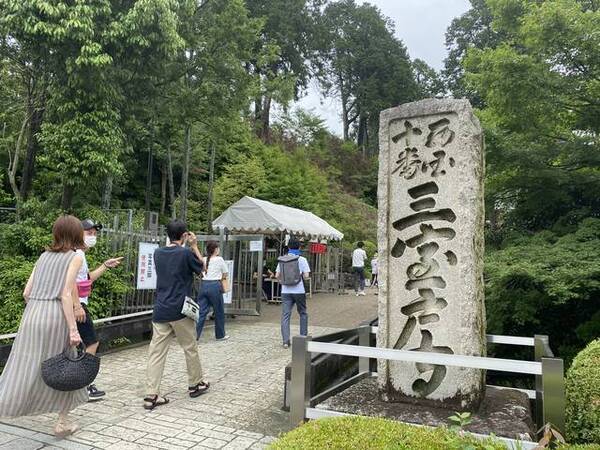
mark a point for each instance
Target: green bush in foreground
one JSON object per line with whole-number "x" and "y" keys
{"x": 580, "y": 447}
{"x": 375, "y": 433}
{"x": 583, "y": 396}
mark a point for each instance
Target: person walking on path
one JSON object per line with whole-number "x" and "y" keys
{"x": 291, "y": 272}
{"x": 175, "y": 267}
{"x": 359, "y": 256}
{"x": 47, "y": 328}
{"x": 85, "y": 278}
{"x": 214, "y": 285}
{"x": 374, "y": 270}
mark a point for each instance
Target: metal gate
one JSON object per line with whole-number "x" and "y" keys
{"x": 246, "y": 279}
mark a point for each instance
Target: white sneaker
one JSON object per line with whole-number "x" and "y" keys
{"x": 361, "y": 293}
{"x": 224, "y": 338}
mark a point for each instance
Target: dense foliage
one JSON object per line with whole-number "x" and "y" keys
{"x": 583, "y": 396}
{"x": 376, "y": 433}
{"x": 532, "y": 69}
{"x": 182, "y": 107}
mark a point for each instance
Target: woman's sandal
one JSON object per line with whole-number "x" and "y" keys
{"x": 62, "y": 430}
{"x": 152, "y": 402}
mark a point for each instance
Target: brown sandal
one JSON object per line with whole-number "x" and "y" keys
{"x": 152, "y": 402}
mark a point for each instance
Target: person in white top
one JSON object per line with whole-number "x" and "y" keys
{"x": 359, "y": 256}
{"x": 85, "y": 278}
{"x": 214, "y": 285}
{"x": 374, "y": 270}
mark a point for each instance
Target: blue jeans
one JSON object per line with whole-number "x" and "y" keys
{"x": 211, "y": 295}
{"x": 288, "y": 301}
{"x": 359, "y": 278}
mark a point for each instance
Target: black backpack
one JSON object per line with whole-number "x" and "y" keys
{"x": 289, "y": 268}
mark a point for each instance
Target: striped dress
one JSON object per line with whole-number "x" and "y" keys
{"x": 43, "y": 333}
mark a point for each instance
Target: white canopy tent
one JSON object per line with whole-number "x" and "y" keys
{"x": 251, "y": 215}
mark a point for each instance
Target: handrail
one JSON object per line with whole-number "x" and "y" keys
{"x": 549, "y": 371}
{"x": 473, "y": 362}
{"x": 497, "y": 339}
{"x": 96, "y": 322}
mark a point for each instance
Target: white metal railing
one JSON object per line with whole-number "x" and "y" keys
{"x": 548, "y": 371}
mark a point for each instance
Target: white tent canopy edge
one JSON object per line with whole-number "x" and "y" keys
{"x": 251, "y": 215}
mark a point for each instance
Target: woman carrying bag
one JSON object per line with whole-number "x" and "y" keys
{"x": 214, "y": 285}
{"x": 47, "y": 329}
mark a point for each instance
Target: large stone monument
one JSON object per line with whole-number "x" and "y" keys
{"x": 431, "y": 221}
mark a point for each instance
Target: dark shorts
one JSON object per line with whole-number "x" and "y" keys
{"x": 86, "y": 329}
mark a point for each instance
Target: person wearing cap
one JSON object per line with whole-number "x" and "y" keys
{"x": 85, "y": 279}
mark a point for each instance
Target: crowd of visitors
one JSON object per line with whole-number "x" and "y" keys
{"x": 56, "y": 319}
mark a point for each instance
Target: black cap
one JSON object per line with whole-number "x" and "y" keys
{"x": 88, "y": 224}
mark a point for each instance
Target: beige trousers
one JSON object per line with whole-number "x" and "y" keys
{"x": 184, "y": 331}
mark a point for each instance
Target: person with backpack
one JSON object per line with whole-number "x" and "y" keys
{"x": 292, "y": 270}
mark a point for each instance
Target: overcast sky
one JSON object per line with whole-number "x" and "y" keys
{"x": 420, "y": 24}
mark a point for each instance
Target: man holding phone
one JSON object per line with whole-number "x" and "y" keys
{"x": 175, "y": 265}
{"x": 85, "y": 279}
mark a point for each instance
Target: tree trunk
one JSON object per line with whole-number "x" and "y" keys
{"x": 171, "y": 182}
{"x": 362, "y": 135}
{"x": 149, "y": 179}
{"x": 211, "y": 183}
{"x": 265, "y": 129}
{"x": 185, "y": 173}
{"x": 345, "y": 112}
{"x": 107, "y": 193}
{"x": 66, "y": 203}
{"x": 36, "y": 113}
{"x": 163, "y": 189}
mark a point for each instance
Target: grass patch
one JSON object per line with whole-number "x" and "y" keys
{"x": 368, "y": 433}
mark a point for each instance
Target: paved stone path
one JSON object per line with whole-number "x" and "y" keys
{"x": 242, "y": 410}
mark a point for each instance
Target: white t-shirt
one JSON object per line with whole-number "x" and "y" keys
{"x": 83, "y": 273}
{"x": 216, "y": 269}
{"x": 358, "y": 257}
{"x": 299, "y": 288}
{"x": 374, "y": 266}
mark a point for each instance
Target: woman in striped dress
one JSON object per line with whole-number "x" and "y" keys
{"x": 47, "y": 328}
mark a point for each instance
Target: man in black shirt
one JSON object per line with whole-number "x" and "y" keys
{"x": 175, "y": 267}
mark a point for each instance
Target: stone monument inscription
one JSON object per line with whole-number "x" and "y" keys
{"x": 431, "y": 220}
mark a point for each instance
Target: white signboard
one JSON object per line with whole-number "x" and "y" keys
{"x": 256, "y": 246}
{"x": 146, "y": 272}
{"x": 227, "y": 296}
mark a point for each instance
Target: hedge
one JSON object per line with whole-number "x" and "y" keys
{"x": 583, "y": 396}
{"x": 365, "y": 433}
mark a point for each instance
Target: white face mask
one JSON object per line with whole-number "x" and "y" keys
{"x": 89, "y": 241}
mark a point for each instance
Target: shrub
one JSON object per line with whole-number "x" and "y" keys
{"x": 583, "y": 396}
{"x": 580, "y": 447}
{"x": 376, "y": 433}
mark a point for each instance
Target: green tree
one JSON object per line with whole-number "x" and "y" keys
{"x": 365, "y": 66}
{"x": 84, "y": 49}
{"x": 285, "y": 69}
{"x": 471, "y": 30}
{"x": 542, "y": 116}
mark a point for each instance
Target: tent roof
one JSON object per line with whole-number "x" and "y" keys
{"x": 252, "y": 215}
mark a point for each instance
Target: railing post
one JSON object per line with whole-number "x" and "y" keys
{"x": 539, "y": 352}
{"x": 300, "y": 386}
{"x": 553, "y": 385}
{"x": 364, "y": 340}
